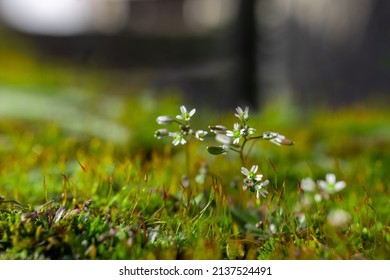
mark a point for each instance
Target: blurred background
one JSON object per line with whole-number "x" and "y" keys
{"x": 215, "y": 53}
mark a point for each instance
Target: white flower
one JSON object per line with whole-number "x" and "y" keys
{"x": 164, "y": 120}
{"x": 330, "y": 185}
{"x": 186, "y": 116}
{"x": 236, "y": 133}
{"x": 338, "y": 218}
{"x": 242, "y": 114}
{"x": 253, "y": 181}
{"x": 250, "y": 173}
{"x": 308, "y": 184}
{"x": 200, "y": 134}
{"x": 272, "y": 228}
{"x": 260, "y": 190}
{"x": 318, "y": 197}
{"x": 179, "y": 138}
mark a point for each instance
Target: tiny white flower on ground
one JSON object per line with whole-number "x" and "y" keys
{"x": 308, "y": 184}
{"x": 253, "y": 181}
{"x": 185, "y": 115}
{"x": 272, "y": 228}
{"x": 338, "y": 218}
{"x": 330, "y": 185}
{"x": 318, "y": 197}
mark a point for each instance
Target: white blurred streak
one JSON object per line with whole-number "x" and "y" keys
{"x": 334, "y": 21}
{"x": 58, "y": 17}
{"x": 64, "y": 17}
{"x": 72, "y": 17}
{"x": 202, "y": 15}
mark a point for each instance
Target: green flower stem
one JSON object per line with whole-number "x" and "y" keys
{"x": 187, "y": 159}
{"x": 242, "y": 152}
{"x": 179, "y": 122}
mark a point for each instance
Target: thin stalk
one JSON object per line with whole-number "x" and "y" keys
{"x": 187, "y": 159}
{"x": 242, "y": 152}
{"x": 250, "y": 147}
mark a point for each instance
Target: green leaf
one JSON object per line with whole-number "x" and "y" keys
{"x": 216, "y": 150}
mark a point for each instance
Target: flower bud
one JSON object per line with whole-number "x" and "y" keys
{"x": 164, "y": 120}
{"x": 218, "y": 129}
{"x": 200, "y": 134}
{"x": 161, "y": 133}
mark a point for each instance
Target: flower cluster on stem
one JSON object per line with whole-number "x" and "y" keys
{"x": 183, "y": 120}
{"x": 237, "y": 138}
{"x": 231, "y": 139}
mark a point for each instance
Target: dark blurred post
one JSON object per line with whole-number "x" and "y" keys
{"x": 247, "y": 41}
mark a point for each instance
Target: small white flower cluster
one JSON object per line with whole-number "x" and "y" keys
{"x": 242, "y": 131}
{"x": 322, "y": 189}
{"x": 183, "y": 120}
{"x": 254, "y": 182}
{"x": 317, "y": 192}
{"x": 234, "y": 140}
{"x": 329, "y": 186}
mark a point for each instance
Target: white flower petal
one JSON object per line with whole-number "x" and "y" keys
{"x": 224, "y": 139}
{"x": 264, "y": 183}
{"x": 244, "y": 171}
{"x": 183, "y": 109}
{"x": 258, "y": 177}
{"x": 308, "y": 184}
{"x": 330, "y": 178}
{"x": 339, "y": 186}
{"x": 254, "y": 168}
{"x": 229, "y": 133}
{"x": 322, "y": 184}
{"x": 192, "y": 112}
